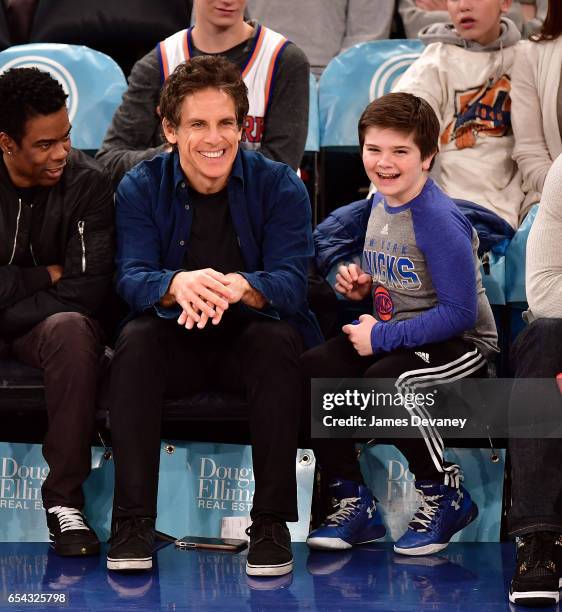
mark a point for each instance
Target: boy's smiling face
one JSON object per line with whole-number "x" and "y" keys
{"x": 393, "y": 162}
{"x": 477, "y": 20}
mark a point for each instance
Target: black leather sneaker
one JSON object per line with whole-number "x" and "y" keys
{"x": 536, "y": 579}
{"x": 270, "y": 548}
{"x": 132, "y": 543}
{"x": 70, "y": 533}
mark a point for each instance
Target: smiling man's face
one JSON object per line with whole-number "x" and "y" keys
{"x": 477, "y": 20}
{"x": 39, "y": 159}
{"x": 207, "y": 138}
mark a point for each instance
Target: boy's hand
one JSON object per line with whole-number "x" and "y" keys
{"x": 360, "y": 334}
{"x": 352, "y": 282}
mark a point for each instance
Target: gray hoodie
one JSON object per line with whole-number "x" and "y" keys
{"x": 446, "y": 33}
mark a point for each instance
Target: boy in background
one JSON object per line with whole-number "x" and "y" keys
{"x": 465, "y": 74}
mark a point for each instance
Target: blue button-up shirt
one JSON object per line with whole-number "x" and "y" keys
{"x": 271, "y": 215}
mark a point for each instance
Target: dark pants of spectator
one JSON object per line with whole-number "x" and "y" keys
{"x": 536, "y": 464}
{"x": 67, "y": 346}
{"x": 156, "y": 357}
{"x": 337, "y": 358}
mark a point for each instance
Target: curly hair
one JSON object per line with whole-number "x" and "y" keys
{"x": 26, "y": 93}
{"x": 200, "y": 73}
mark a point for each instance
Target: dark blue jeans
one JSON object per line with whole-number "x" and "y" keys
{"x": 536, "y": 464}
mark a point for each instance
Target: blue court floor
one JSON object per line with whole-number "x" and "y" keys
{"x": 471, "y": 577}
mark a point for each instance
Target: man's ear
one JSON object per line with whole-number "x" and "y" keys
{"x": 7, "y": 143}
{"x": 169, "y": 131}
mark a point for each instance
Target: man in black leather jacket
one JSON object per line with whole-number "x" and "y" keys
{"x": 56, "y": 261}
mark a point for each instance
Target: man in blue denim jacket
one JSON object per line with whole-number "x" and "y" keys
{"x": 212, "y": 256}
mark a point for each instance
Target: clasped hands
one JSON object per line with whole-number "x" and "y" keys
{"x": 355, "y": 284}
{"x": 205, "y": 295}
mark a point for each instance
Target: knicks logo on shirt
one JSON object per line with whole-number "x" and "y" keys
{"x": 485, "y": 109}
{"x": 390, "y": 270}
{"x": 252, "y": 129}
{"x": 383, "y": 304}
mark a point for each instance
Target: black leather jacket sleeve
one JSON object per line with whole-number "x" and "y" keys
{"x": 17, "y": 283}
{"x": 88, "y": 266}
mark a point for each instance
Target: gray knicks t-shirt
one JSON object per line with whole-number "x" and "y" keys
{"x": 427, "y": 285}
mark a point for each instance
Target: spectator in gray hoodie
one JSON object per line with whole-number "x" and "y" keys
{"x": 527, "y": 15}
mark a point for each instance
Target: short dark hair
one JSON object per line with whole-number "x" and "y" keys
{"x": 24, "y": 94}
{"x": 200, "y": 73}
{"x": 404, "y": 113}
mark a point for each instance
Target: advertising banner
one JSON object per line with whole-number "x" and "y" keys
{"x": 205, "y": 489}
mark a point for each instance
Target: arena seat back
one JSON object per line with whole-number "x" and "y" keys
{"x": 93, "y": 81}
{"x": 313, "y": 137}
{"x": 355, "y": 78}
{"x": 515, "y": 260}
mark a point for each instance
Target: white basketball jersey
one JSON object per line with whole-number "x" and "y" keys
{"x": 258, "y": 74}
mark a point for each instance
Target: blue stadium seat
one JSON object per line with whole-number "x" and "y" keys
{"x": 93, "y": 81}
{"x": 494, "y": 278}
{"x": 313, "y": 137}
{"x": 515, "y": 260}
{"x": 355, "y": 78}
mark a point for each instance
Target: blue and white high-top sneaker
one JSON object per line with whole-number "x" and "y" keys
{"x": 356, "y": 519}
{"x": 444, "y": 511}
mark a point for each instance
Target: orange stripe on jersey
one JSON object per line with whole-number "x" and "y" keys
{"x": 270, "y": 71}
{"x": 185, "y": 46}
{"x": 164, "y": 56}
{"x": 255, "y": 53}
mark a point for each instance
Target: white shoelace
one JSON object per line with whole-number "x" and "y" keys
{"x": 428, "y": 508}
{"x": 69, "y": 518}
{"x": 347, "y": 506}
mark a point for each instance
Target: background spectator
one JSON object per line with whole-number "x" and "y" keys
{"x": 464, "y": 73}
{"x": 325, "y": 29}
{"x": 537, "y": 101}
{"x": 125, "y": 30}
{"x": 417, "y": 14}
{"x": 536, "y": 520}
{"x": 280, "y": 120}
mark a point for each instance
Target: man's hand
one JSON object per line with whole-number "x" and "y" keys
{"x": 189, "y": 322}
{"x": 55, "y": 272}
{"x": 360, "y": 334}
{"x": 352, "y": 282}
{"x": 432, "y": 5}
{"x": 199, "y": 291}
{"x": 243, "y": 292}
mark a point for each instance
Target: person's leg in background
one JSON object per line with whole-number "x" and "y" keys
{"x": 535, "y": 516}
